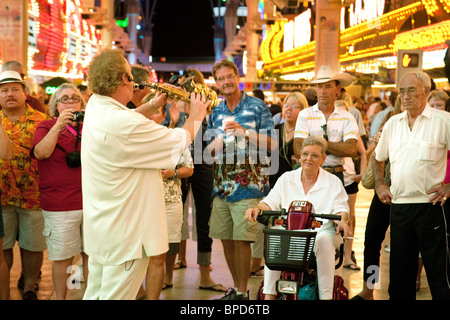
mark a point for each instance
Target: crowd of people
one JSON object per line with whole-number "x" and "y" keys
{"x": 104, "y": 171}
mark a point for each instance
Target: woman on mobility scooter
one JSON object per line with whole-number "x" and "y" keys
{"x": 327, "y": 195}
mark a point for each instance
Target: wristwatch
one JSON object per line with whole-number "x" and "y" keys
{"x": 175, "y": 175}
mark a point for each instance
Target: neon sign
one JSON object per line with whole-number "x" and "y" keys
{"x": 372, "y": 9}
{"x": 298, "y": 31}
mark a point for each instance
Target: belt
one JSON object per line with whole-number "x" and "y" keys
{"x": 335, "y": 169}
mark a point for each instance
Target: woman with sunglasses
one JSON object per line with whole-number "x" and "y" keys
{"x": 56, "y": 145}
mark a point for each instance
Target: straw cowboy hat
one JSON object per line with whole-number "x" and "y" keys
{"x": 326, "y": 73}
{"x": 10, "y": 76}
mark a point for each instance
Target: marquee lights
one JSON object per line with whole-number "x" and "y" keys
{"x": 368, "y": 40}
{"x": 61, "y": 43}
{"x": 372, "y": 9}
{"x": 423, "y": 37}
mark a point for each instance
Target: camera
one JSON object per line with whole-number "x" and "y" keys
{"x": 78, "y": 116}
{"x": 73, "y": 159}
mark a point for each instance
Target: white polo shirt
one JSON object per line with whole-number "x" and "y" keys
{"x": 418, "y": 157}
{"x": 327, "y": 196}
{"x": 122, "y": 153}
{"x": 341, "y": 126}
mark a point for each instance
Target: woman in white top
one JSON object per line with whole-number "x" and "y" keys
{"x": 327, "y": 195}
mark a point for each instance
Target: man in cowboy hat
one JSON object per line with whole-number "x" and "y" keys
{"x": 337, "y": 126}
{"x": 22, "y": 215}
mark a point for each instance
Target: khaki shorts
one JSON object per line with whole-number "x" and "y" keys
{"x": 25, "y": 226}
{"x": 228, "y": 220}
{"x": 63, "y": 233}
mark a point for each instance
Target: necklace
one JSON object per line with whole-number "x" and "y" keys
{"x": 286, "y": 131}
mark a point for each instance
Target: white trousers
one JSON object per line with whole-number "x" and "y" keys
{"x": 121, "y": 282}
{"x": 324, "y": 250}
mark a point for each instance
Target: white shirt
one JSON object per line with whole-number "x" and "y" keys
{"x": 418, "y": 157}
{"x": 327, "y": 196}
{"x": 122, "y": 153}
{"x": 341, "y": 126}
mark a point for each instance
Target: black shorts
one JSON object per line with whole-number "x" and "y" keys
{"x": 352, "y": 188}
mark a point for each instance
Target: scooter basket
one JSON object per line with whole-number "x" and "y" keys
{"x": 288, "y": 249}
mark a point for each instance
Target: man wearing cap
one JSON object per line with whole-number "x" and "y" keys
{"x": 22, "y": 216}
{"x": 16, "y": 66}
{"x": 416, "y": 143}
{"x": 337, "y": 126}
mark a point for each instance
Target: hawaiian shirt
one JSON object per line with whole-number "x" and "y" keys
{"x": 172, "y": 187}
{"x": 20, "y": 178}
{"x": 240, "y": 172}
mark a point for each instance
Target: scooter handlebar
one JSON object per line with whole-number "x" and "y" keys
{"x": 327, "y": 216}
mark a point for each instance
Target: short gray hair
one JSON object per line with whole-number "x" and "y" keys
{"x": 53, "y": 103}
{"x": 422, "y": 76}
{"x": 316, "y": 140}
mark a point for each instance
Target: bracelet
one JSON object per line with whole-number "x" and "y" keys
{"x": 175, "y": 175}
{"x": 153, "y": 106}
{"x": 261, "y": 209}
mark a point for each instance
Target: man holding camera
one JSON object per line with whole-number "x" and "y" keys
{"x": 22, "y": 216}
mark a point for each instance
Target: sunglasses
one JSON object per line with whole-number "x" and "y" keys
{"x": 325, "y": 133}
{"x": 174, "y": 79}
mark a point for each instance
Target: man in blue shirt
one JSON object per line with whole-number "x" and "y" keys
{"x": 240, "y": 133}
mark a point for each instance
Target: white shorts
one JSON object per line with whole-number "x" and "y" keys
{"x": 174, "y": 213}
{"x": 63, "y": 233}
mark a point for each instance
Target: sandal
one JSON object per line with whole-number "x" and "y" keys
{"x": 179, "y": 265}
{"x": 166, "y": 286}
{"x": 352, "y": 266}
{"x": 257, "y": 272}
{"x": 214, "y": 287}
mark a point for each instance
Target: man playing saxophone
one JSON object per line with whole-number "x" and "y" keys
{"x": 122, "y": 152}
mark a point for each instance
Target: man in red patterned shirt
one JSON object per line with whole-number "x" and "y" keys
{"x": 22, "y": 216}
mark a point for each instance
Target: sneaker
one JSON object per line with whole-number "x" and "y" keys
{"x": 242, "y": 296}
{"x": 232, "y": 294}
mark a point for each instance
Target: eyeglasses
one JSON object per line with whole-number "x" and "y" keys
{"x": 325, "y": 133}
{"x": 314, "y": 156}
{"x": 230, "y": 77}
{"x": 66, "y": 99}
{"x": 293, "y": 106}
{"x": 129, "y": 77}
{"x": 410, "y": 91}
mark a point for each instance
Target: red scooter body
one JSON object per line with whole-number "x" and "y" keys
{"x": 300, "y": 217}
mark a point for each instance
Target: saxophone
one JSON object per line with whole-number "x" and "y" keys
{"x": 184, "y": 95}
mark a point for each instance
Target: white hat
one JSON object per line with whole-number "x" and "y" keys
{"x": 326, "y": 73}
{"x": 10, "y": 76}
